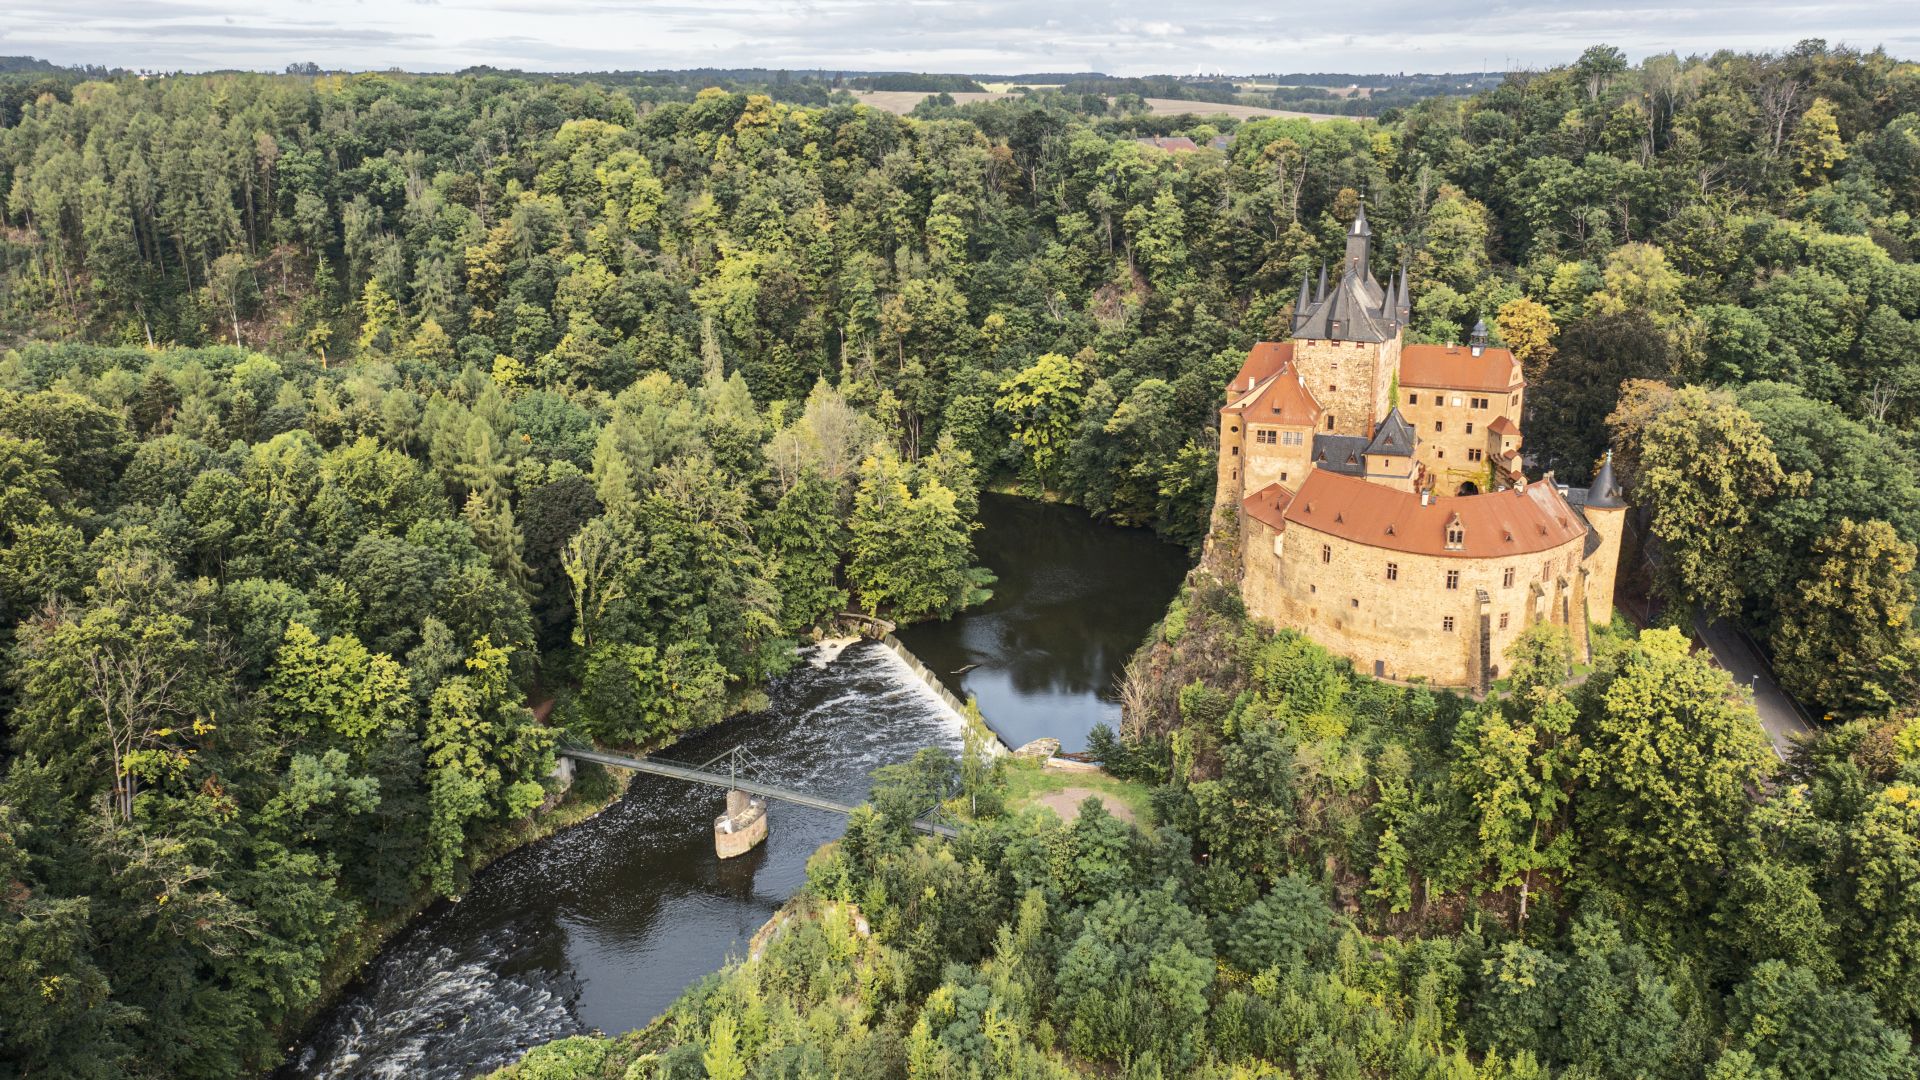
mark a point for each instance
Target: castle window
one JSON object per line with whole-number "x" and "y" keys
{"x": 1453, "y": 579}
{"x": 1446, "y": 624}
{"x": 1234, "y": 428}
{"x": 1283, "y": 477}
{"x": 1393, "y": 571}
{"x": 1236, "y": 451}
{"x": 1413, "y": 399}
{"x": 1455, "y": 536}
{"x": 1479, "y": 403}
{"x": 1326, "y": 553}
{"x": 1329, "y": 423}
{"x": 1439, "y": 425}
{"x": 1473, "y": 455}
{"x": 1291, "y": 438}
{"x": 1332, "y": 388}
{"x": 1267, "y": 437}
{"x": 1439, "y": 451}
{"x": 1456, "y": 401}
{"x": 1503, "y": 620}
{"x": 1469, "y": 427}
{"x": 1506, "y": 579}
{"x": 1356, "y": 601}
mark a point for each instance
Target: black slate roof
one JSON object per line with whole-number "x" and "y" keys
{"x": 1340, "y": 453}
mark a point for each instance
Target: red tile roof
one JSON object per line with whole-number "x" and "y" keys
{"x": 1269, "y": 505}
{"x": 1262, "y": 360}
{"x": 1454, "y": 367}
{"x": 1504, "y": 426}
{"x": 1281, "y": 399}
{"x": 1498, "y": 523}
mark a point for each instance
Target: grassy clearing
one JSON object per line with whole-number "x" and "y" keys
{"x": 1027, "y": 782}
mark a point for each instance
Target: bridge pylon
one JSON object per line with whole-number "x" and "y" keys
{"x": 744, "y": 826}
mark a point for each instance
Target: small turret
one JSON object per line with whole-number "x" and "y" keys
{"x": 1604, "y": 492}
{"x": 1606, "y": 514}
{"x": 1321, "y": 293}
{"x": 1406, "y": 300}
{"x": 1301, "y": 306}
{"x": 1478, "y": 339}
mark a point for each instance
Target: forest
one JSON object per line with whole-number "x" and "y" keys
{"x": 1610, "y": 881}
{"x": 343, "y": 416}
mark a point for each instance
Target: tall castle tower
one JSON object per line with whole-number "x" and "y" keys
{"x": 1347, "y": 340}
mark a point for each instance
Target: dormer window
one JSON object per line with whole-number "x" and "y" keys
{"x": 1456, "y": 534}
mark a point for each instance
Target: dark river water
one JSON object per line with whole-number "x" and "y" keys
{"x": 1074, "y": 600}
{"x": 601, "y": 927}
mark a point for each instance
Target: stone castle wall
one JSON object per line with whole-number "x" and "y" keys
{"x": 1343, "y": 598}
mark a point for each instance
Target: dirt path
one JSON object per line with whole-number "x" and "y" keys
{"x": 1066, "y": 803}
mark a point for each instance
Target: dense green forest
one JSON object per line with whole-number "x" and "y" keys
{"x": 342, "y": 415}
{"x": 1612, "y": 881}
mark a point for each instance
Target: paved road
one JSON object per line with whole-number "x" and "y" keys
{"x": 1777, "y": 712}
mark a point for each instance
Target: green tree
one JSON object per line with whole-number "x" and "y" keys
{"x": 485, "y": 757}
{"x": 1669, "y": 757}
{"x": 1042, "y": 402}
{"x": 1846, "y": 637}
{"x": 1704, "y": 463}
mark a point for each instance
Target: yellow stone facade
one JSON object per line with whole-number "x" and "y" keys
{"x": 1423, "y": 561}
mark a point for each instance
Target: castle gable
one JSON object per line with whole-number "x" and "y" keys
{"x": 1280, "y": 399}
{"x": 1263, "y": 360}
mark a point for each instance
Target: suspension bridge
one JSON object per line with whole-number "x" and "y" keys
{"x": 726, "y": 771}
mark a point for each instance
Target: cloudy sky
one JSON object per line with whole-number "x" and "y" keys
{"x": 1129, "y": 37}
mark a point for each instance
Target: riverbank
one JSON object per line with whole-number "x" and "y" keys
{"x": 363, "y": 944}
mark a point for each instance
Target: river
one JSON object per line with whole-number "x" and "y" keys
{"x": 602, "y": 926}
{"x": 1074, "y": 600}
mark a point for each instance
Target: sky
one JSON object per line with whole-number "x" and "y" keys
{"x": 1121, "y": 37}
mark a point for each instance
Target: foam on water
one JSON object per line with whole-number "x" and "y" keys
{"x": 602, "y": 926}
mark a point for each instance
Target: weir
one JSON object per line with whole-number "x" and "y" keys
{"x": 734, "y": 783}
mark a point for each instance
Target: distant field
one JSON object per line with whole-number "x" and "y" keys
{"x": 902, "y": 102}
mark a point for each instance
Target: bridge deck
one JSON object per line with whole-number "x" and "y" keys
{"x": 720, "y": 780}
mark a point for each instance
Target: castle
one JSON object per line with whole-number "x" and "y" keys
{"x": 1381, "y": 500}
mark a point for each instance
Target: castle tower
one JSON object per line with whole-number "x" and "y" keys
{"x": 1606, "y": 512}
{"x": 1347, "y": 340}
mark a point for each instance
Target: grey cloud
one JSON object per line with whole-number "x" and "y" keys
{"x": 1122, "y": 36}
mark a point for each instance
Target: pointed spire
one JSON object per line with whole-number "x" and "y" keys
{"x": 1301, "y": 308}
{"x": 1321, "y": 294}
{"x": 1360, "y": 226}
{"x": 1390, "y": 303}
{"x": 1604, "y": 492}
{"x": 1406, "y": 301}
{"x": 1477, "y": 339}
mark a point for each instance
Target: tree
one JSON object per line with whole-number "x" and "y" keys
{"x": 1528, "y": 329}
{"x": 1846, "y": 637}
{"x": 807, "y": 537}
{"x": 125, "y": 679}
{"x": 1042, "y": 401}
{"x": 485, "y": 757}
{"x": 1817, "y": 146}
{"x": 1704, "y": 462}
{"x": 1516, "y": 774}
{"x": 1803, "y": 1030}
{"x": 911, "y": 551}
{"x": 1669, "y": 758}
